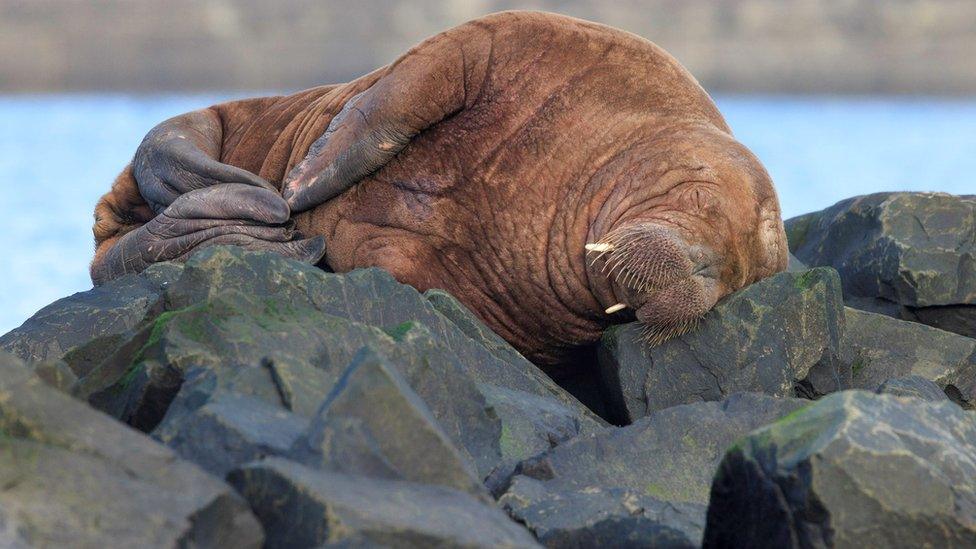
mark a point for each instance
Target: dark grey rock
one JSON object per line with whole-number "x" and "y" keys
{"x": 462, "y": 317}
{"x": 225, "y": 429}
{"x": 912, "y": 386}
{"x": 303, "y": 507}
{"x": 879, "y": 348}
{"x": 373, "y": 424}
{"x": 551, "y": 420}
{"x": 103, "y": 313}
{"x": 915, "y": 251}
{"x": 602, "y": 517}
{"x": 629, "y": 476}
{"x": 74, "y": 477}
{"x": 582, "y": 381}
{"x": 853, "y": 470}
{"x": 769, "y": 337}
{"x": 530, "y": 425}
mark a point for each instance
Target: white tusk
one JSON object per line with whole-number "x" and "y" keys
{"x": 599, "y": 247}
{"x": 614, "y": 308}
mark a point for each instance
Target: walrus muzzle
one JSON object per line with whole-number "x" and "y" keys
{"x": 669, "y": 282}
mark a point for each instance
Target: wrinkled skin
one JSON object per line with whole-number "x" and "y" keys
{"x": 482, "y": 162}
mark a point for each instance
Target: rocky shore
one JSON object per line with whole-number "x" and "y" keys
{"x": 246, "y": 400}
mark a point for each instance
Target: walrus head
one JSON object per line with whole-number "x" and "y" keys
{"x": 706, "y": 224}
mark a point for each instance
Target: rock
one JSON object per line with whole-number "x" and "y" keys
{"x": 914, "y": 251}
{"x": 373, "y": 424}
{"x": 462, "y": 317}
{"x": 853, "y": 470}
{"x": 367, "y": 296}
{"x": 769, "y": 337}
{"x": 74, "y": 477}
{"x": 530, "y": 425}
{"x": 228, "y": 429}
{"x": 509, "y": 399}
{"x": 912, "y": 386}
{"x": 603, "y": 517}
{"x": 303, "y": 507}
{"x": 290, "y": 358}
{"x": 879, "y": 348}
{"x": 283, "y": 332}
{"x": 104, "y": 313}
{"x": 651, "y": 477}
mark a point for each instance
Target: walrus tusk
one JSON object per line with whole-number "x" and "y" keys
{"x": 599, "y": 247}
{"x": 614, "y": 308}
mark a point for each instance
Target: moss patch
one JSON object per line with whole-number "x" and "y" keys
{"x": 806, "y": 279}
{"x": 400, "y": 331}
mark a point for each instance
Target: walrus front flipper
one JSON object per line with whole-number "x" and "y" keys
{"x": 180, "y": 155}
{"x": 427, "y": 85}
{"x": 243, "y": 215}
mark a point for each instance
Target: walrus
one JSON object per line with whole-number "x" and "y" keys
{"x": 555, "y": 175}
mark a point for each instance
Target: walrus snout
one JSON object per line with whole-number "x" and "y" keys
{"x": 653, "y": 270}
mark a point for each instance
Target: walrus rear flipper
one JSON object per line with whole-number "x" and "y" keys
{"x": 428, "y": 84}
{"x": 181, "y": 154}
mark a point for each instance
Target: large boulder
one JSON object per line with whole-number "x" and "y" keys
{"x": 879, "y": 348}
{"x": 910, "y": 255}
{"x": 73, "y": 476}
{"x": 641, "y": 484}
{"x": 853, "y": 470}
{"x": 303, "y": 507}
{"x": 777, "y": 336}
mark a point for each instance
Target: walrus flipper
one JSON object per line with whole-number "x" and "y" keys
{"x": 180, "y": 155}
{"x": 427, "y": 85}
{"x": 248, "y": 216}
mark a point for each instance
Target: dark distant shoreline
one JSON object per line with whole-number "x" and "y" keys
{"x": 734, "y": 46}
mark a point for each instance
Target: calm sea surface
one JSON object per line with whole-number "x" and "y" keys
{"x": 59, "y": 153}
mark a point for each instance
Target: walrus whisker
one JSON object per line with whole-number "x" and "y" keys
{"x": 656, "y": 335}
{"x": 614, "y": 308}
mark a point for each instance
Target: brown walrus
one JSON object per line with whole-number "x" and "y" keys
{"x": 555, "y": 175}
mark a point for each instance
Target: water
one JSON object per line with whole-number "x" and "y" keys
{"x": 58, "y": 154}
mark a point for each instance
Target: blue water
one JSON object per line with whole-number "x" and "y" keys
{"x": 58, "y": 154}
